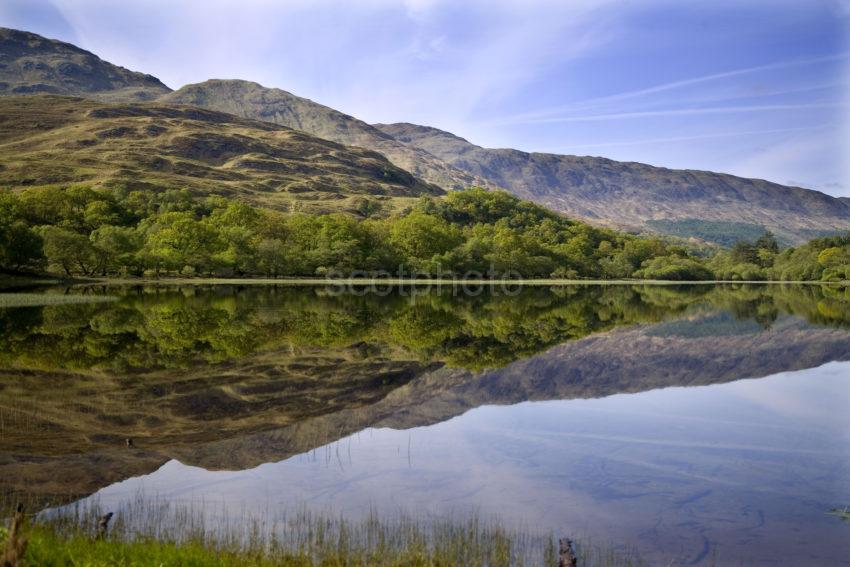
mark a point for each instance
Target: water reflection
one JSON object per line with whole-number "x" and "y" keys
{"x": 745, "y": 469}
{"x": 161, "y": 327}
{"x": 230, "y": 378}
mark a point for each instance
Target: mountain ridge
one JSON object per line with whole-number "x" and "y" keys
{"x": 252, "y": 100}
{"x": 629, "y": 194}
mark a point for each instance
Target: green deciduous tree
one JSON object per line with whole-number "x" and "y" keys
{"x": 20, "y": 246}
{"x": 177, "y": 241}
{"x": 419, "y": 238}
{"x": 69, "y": 250}
{"x": 117, "y": 249}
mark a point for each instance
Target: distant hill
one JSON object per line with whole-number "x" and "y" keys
{"x": 251, "y": 100}
{"x": 53, "y": 140}
{"x": 628, "y": 195}
{"x": 30, "y": 63}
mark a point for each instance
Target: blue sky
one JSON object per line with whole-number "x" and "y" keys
{"x": 754, "y": 88}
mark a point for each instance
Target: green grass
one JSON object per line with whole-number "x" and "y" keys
{"x": 42, "y": 299}
{"x": 50, "y": 549}
{"x": 150, "y": 532}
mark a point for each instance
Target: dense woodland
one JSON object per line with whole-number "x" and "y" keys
{"x": 81, "y": 231}
{"x": 826, "y": 259}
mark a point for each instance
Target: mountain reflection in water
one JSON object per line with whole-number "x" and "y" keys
{"x": 226, "y": 378}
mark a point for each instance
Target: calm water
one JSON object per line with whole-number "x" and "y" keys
{"x": 696, "y": 425}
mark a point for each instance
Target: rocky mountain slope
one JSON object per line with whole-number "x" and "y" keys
{"x": 50, "y": 140}
{"x": 251, "y": 100}
{"x": 30, "y": 63}
{"x": 628, "y": 195}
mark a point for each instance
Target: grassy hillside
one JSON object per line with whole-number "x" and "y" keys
{"x": 628, "y": 195}
{"x": 30, "y": 63}
{"x": 50, "y": 140}
{"x": 251, "y": 100}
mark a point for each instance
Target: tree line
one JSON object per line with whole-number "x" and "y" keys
{"x": 824, "y": 259}
{"x": 82, "y": 231}
{"x": 95, "y": 232}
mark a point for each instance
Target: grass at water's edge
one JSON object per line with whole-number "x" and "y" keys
{"x": 49, "y": 548}
{"x": 151, "y": 532}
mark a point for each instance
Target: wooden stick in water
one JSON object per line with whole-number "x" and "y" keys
{"x": 566, "y": 553}
{"x": 103, "y": 525}
{"x": 16, "y": 546}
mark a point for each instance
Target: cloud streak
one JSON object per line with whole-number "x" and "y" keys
{"x": 688, "y": 138}
{"x": 675, "y": 85}
{"x": 677, "y": 112}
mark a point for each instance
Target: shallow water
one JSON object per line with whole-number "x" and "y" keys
{"x": 698, "y": 426}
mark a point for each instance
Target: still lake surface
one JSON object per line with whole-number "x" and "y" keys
{"x": 695, "y": 424}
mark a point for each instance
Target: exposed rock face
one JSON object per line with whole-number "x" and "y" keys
{"x": 627, "y": 194}
{"x": 251, "y": 100}
{"x": 32, "y": 64}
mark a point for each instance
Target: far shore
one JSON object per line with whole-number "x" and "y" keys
{"x": 42, "y": 280}
{"x": 425, "y": 281}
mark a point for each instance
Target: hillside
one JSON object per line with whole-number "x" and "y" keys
{"x": 30, "y": 63}
{"x": 52, "y": 140}
{"x": 251, "y": 100}
{"x": 629, "y": 195}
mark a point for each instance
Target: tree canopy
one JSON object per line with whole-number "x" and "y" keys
{"x": 78, "y": 230}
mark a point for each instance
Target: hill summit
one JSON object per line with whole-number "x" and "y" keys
{"x": 30, "y": 64}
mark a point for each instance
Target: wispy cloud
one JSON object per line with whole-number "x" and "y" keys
{"x": 785, "y": 158}
{"x": 675, "y": 85}
{"x": 686, "y": 138}
{"x": 766, "y": 92}
{"x": 679, "y": 112}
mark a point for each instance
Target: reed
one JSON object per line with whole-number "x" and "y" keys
{"x": 147, "y": 531}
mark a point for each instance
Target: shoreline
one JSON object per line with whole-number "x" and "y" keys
{"x": 359, "y": 282}
{"x": 7, "y": 281}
